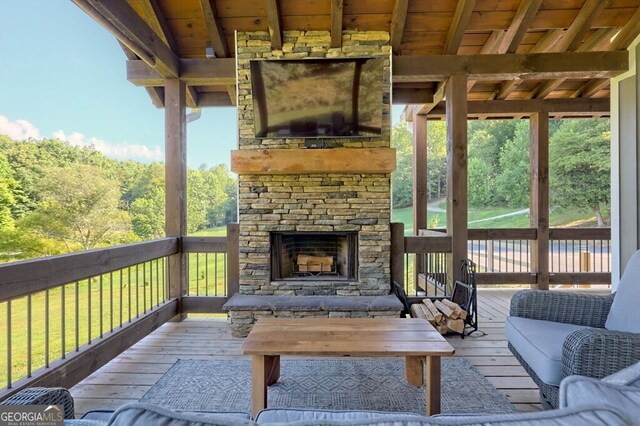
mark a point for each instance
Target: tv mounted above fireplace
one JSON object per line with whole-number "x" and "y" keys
{"x": 317, "y": 98}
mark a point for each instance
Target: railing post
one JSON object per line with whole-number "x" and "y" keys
{"x": 233, "y": 259}
{"x": 397, "y": 253}
{"x": 420, "y": 192}
{"x": 176, "y": 182}
{"x": 539, "y": 152}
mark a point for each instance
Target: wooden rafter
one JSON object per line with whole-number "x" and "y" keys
{"x": 132, "y": 31}
{"x": 273, "y": 17}
{"x": 155, "y": 93}
{"x": 398, "y": 19}
{"x": 233, "y": 96}
{"x": 192, "y": 97}
{"x": 461, "y": 18}
{"x": 519, "y": 26}
{"x": 571, "y": 41}
{"x": 336, "y": 23}
{"x": 157, "y": 21}
{"x": 529, "y": 106}
{"x": 214, "y": 29}
{"x": 438, "y": 96}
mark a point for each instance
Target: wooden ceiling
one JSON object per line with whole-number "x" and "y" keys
{"x": 420, "y": 30}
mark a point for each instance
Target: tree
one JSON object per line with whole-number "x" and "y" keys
{"x": 580, "y": 165}
{"x": 436, "y": 159}
{"x": 402, "y": 177}
{"x": 512, "y": 186}
{"x": 8, "y": 186}
{"x": 147, "y": 214}
{"x": 80, "y": 207}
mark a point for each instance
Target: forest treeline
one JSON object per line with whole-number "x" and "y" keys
{"x": 498, "y": 164}
{"x": 56, "y": 198}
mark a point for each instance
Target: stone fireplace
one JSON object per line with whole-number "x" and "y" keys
{"x": 313, "y": 221}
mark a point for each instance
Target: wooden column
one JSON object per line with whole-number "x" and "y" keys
{"x": 397, "y": 252}
{"x": 419, "y": 185}
{"x": 176, "y": 180}
{"x": 539, "y": 153}
{"x": 456, "y": 107}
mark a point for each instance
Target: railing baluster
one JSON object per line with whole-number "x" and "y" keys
{"x": 144, "y": 288}
{"x": 46, "y": 328}
{"x": 101, "y": 308}
{"x": 129, "y": 291}
{"x": 121, "y": 297}
{"x": 224, "y": 269}
{"x": 29, "y": 336}
{"x": 111, "y": 300}
{"x": 9, "y": 349}
{"x": 89, "y": 311}
{"x": 150, "y": 285}
{"x": 197, "y": 274}
{"x": 63, "y": 324}
{"x": 77, "y": 316}
{"x": 206, "y": 274}
{"x": 215, "y": 274}
{"x": 158, "y": 281}
{"x": 137, "y": 294}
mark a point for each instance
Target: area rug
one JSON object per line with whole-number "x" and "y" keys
{"x": 342, "y": 384}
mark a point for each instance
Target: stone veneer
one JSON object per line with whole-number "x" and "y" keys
{"x": 313, "y": 202}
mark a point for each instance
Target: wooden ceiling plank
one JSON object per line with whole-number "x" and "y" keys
{"x": 519, "y": 25}
{"x": 398, "y": 19}
{"x": 336, "y": 23}
{"x": 273, "y": 17}
{"x": 154, "y": 14}
{"x": 590, "y": 88}
{"x": 132, "y": 31}
{"x": 599, "y": 40}
{"x": 214, "y": 29}
{"x": 488, "y": 47}
{"x": 461, "y": 18}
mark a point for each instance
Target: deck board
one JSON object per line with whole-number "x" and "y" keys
{"x": 131, "y": 374}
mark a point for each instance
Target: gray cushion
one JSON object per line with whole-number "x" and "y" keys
{"x": 629, "y": 376}
{"x": 288, "y": 415}
{"x": 539, "y": 343}
{"x": 624, "y": 314}
{"x": 576, "y": 391}
{"x": 84, "y": 422}
{"x": 137, "y": 413}
{"x": 586, "y": 415}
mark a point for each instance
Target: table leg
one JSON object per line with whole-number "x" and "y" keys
{"x": 413, "y": 370}
{"x": 272, "y": 368}
{"x": 259, "y": 384}
{"x": 433, "y": 385}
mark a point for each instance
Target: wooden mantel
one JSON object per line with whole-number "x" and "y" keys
{"x": 303, "y": 161}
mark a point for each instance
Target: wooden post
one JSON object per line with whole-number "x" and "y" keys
{"x": 419, "y": 186}
{"x": 397, "y": 253}
{"x": 456, "y": 107}
{"x": 539, "y": 152}
{"x": 233, "y": 258}
{"x": 176, "y": 181}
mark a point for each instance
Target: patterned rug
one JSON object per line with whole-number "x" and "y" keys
{"x": 343, "y": 384}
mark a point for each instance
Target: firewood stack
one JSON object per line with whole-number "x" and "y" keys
{"x": 444, "y": 315}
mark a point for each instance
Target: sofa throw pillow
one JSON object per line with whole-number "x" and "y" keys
{"x": 137, "y": 413}
{"x": 624, "y": 314}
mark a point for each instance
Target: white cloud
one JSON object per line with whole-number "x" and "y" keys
{"x": 18, "y": 130}
{"x": 119, "y": 151}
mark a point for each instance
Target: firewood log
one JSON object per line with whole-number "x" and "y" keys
{"x": 456, "y": 325}
{"x": 418, "y": 310}
{"x": 447, "y": 311}
{"x": 461, "y": 313}
{"x": 437, "y": 315}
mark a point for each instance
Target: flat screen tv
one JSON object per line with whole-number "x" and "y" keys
{"x": 317, "y": 98}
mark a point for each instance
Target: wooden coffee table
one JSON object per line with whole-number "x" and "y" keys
{"x": 415, "y": 339}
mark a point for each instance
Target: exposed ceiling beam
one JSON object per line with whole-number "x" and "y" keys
{"x": 155, "y": 93}
{"x": 519, "y": 26}
{"x": 214, "y": 99}
{"x": 273, "y": 18}
{"x": 336, "y": 23}
{"x": 132, "y": 31}
{"x": 157, "y": 21}
{"x": 214, "y": 29}
{"x": 511, "y": 66}
{"x": 233, "y": 96}
{"x": 528, "y": 106}
{"x": 192, "y": 97}
{"x": 402, "y": 95}
{"x": 438, "y": 96}
{"x": 544, "y": 44}
{"x": 195, "y": 72}
{"x": 398, "y": 19}
{"x": 461, "y": 18}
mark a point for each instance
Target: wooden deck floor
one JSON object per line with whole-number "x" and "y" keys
{"x": 130, "y": 375}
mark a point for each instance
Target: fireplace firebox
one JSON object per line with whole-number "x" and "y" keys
{"x": 314, "y": 256}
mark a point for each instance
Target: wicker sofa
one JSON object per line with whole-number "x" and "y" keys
{"x": 555, "y": 335}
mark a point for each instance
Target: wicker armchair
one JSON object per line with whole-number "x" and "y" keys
{"x": 43, "y": 396}
{"x": 591, "y": 350}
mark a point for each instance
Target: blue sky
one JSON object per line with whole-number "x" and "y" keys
{"x": 63, "y": 75}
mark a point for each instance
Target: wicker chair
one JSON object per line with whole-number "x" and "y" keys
{"x": 591, "y": 350}
{"x": 43, "y": 396}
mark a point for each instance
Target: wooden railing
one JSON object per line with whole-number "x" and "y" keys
{"x": 503, "y": 256}
{"x": 66, "y": 316}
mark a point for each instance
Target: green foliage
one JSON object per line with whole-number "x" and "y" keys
{"x": 402, "y": 177}
{"x": 513, "y": 181}
{"x": 580, "y": 165}
{"x": 8, "y": 186}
